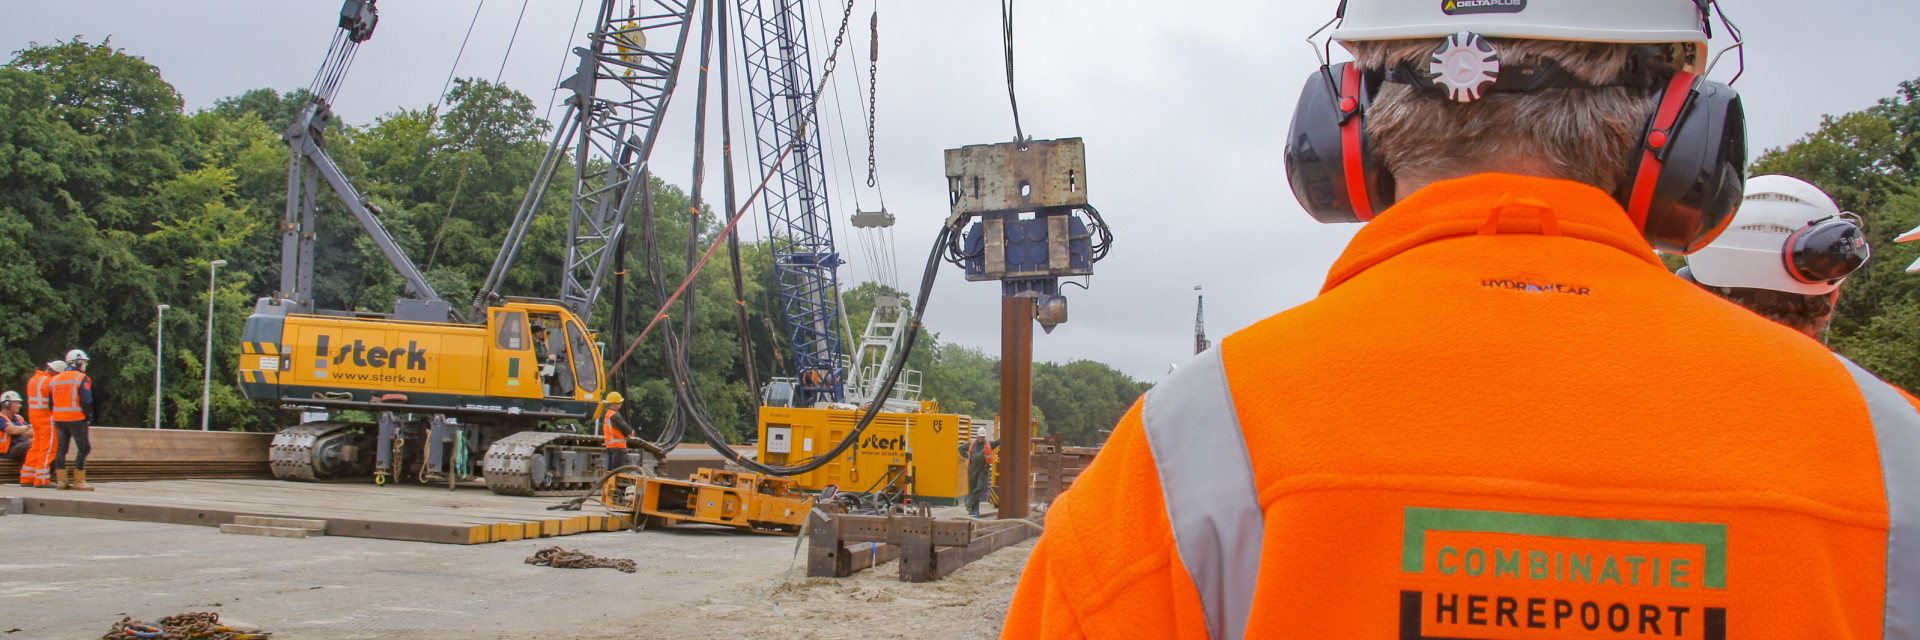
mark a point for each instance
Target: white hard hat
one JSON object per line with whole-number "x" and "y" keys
{"x": 1750, "y": 253}
{"x": 9, "y": 396}
{"x": 57, "y": 366}
{"x": 1648, "y": 21}
{"x": 76, "y": 355}
{"x": 980, "y": 431}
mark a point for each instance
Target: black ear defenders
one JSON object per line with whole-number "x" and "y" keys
{"x": 1689, "y": 175}
{"x": 1330, "y": 165}
{"x": 1826, "y": 250}
{"x": 1684, "y": 186}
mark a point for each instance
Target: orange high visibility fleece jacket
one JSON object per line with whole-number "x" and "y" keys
{"x": 1501, "y": 419}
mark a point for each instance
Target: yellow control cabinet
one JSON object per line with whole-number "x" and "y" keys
{"x": 790, "y": 436}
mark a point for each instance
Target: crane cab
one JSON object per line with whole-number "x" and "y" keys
{"x": 542, "y": 351}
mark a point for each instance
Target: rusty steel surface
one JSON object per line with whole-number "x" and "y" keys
{"x": 988, "y": 178}
{"x": 1016, "y": 405}
{"x": 929, "y": 548}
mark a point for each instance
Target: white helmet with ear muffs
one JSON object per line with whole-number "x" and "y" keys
{"x": 1787, "y": 236}
{"x": 1685, "y": 173}
{"x": 1645, "y": 21}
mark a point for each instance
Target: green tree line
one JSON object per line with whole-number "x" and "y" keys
{"x": 114, "y": 199}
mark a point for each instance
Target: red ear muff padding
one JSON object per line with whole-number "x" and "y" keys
{"x": 1825, "y": 251}
{"x": 1330, "y": 165}
{"x": 1688, "y": 177}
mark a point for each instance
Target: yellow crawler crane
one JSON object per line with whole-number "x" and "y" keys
{"x": 455, "y": 401}
{"x": 466, "y": 392}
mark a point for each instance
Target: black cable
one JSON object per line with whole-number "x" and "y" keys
{"x": 699, "y": 179}
{"x": 463, "y": 50}
{"x": 1006, "y": 39}
{"x": 1100, "y": 249}
{"x": 561, "y": 75}
{"x": 733, "y": 235}
{"x": 510, "y": 40}
{"x": 683, "y": 392}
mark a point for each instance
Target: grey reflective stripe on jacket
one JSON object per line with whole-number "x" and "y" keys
{"x": 1206, "y": 478}
{"x": 1896, "y": 428}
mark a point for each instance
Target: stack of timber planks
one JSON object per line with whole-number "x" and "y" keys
{"x": 1056, "y": 466}
{"x": 395, "y": 512}
{"x": 131, "y": 455}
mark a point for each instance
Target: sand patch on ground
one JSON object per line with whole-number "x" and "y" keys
{"x": 971, "y": 603}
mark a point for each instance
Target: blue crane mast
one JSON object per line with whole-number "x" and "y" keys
{"x": 800, "y": 225}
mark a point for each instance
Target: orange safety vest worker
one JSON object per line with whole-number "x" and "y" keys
{"x": 72, "y": 396}
{"x": 6, "y": 440}
{"x": 616, "y": 438}
{"x": 1502, "y": 418}
{"x": 36, "y": 470}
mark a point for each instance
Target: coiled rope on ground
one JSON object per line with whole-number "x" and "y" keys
{"x": 569, "y": 559}
{"x": 203, "y": 625}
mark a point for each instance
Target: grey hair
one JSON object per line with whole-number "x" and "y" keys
{"x": 1586, "y": 134}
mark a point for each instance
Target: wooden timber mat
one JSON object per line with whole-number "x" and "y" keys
{"x": 394, "y": 512}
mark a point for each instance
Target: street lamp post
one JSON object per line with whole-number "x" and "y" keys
{"x": 159, "y": 329}
{"x": 206, "y": 389}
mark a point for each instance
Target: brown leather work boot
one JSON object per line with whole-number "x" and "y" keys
{"x": 60, "y": 478}
{"x": 80, "y": 482}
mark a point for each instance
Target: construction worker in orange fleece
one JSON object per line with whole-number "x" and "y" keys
{"x": 1786, "y": 254}
{"x": 1502, "y": 417}
{"x": 37, "y": 470}
{"x": 614, "y": 428}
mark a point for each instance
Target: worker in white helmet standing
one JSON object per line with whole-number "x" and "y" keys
{"x": 72, "y": 419}
{"x": 37, "y": 469}
{"x": 979, "y": 451}
{"x": 1785, "y": 255}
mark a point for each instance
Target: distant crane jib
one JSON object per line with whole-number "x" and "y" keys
{"x": 781, "y": 89}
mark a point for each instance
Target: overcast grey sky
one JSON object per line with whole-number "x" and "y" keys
{"x": 1183, "y": 107}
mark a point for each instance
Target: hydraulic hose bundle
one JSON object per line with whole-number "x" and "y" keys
{"x": 689, "y": 403}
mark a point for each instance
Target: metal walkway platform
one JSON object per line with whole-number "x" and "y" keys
{"x": 395, "y": 512}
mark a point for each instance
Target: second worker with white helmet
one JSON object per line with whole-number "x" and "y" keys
{"x": 1785, "y": 254}
{"x": 72, "y": 419}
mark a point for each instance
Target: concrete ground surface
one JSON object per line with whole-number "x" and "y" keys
{"x": 74, "y": 577}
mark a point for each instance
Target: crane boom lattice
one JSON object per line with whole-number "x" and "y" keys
{"x": 619, "y": 93}
{"x": 780, "y": 91}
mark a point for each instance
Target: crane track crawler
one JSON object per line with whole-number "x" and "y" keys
{"x": 316, "y": 450}
{"x": 548, "y": 464}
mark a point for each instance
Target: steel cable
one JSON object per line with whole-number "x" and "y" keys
{"x": 463, "y": 50}
{"x": 1006, "y": 39}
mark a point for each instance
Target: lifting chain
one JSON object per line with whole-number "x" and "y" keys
{"x": 186, "y": 626}
{"x": 833, "y": 61}
{"x": 873, "y": 97}
{"x": 568, "y": 559}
